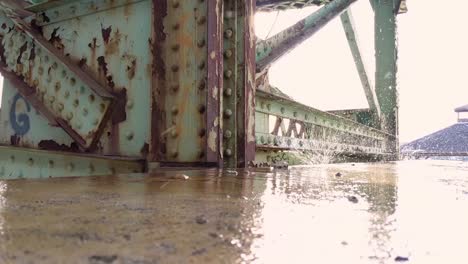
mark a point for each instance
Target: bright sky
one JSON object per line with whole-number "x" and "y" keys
{"x": 433, "y": 58}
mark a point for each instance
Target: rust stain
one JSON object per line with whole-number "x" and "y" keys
{"x": 21, "y": 52}
{"x": 82, "y": 62}
{"x": 119, "y": 114}
{"x": 158, "y": 80}
{"x": 54, "y": 146}
{"x": 128, "y": 9}
{"x": 106, "y": 32}
{"x": 56, "y": 40}
{"x": 112, "y": 45}
{"x": 15, "y": 140}
{"x": 93, "y": 46}
{"x": 144, "y": 150}
{"x": 131, "y": 68}
{"x": 103, "y": 72}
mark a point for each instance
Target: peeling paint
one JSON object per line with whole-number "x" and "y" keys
{"x": 212, "y": 138}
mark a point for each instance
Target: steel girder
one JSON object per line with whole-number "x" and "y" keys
{"x": 273, "y": 48}
{"x": 276, "y": 5}
{"x": 174, "y": 91}
{"x": 60, "y": 51}
{"x": 386, "y": 55}
{"x": 351, "y": 35}
{"x": 300, "y": 127}
{"x": 272, "y": 5}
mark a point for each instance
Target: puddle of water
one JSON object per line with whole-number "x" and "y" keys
{"x": 369, "y": 213}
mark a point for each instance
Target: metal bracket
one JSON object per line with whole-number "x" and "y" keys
{"x": 63, "y": 92}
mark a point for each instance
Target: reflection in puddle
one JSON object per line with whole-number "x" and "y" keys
{"x": 368, "y": 213}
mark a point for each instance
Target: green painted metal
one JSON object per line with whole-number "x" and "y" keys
{"x": 386, "y": 65}
{"x": 182, "y": 80}
{"x": 362, "y": 116}
{"x": 27, "y": 163}
{"x": 318, "y": 130}
{"x": 273, "y": 48}
{"x": 238, "y": 113}
{"x": 104, "y": 44}
{"x": 272, "y": 5}
{"x": 55, "y": 85}
{"x": 351, "y": 35}
{"x": 169, "y": 83}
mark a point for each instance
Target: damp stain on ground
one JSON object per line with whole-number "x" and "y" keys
{"x": 406, "y": 212}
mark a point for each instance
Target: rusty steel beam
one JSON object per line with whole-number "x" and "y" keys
{"x": 26, "y": 80}
{"x": 238, "y": 115}
{"x": 214, "y": 82}
{"x": 18, "y": 7}
{"x": 186, "y": 82}
{"x": 270, "y": 50}
{"x": 86, "y": 78}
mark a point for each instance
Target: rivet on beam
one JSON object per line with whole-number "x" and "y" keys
{"x": 227, "y": 113}
{"x": 227, "y": 134}
{"x": 228, "y": 33}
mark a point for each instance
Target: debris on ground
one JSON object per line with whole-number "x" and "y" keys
{"x": 102, "y": 259}
{"x": 201, "y": 220}
{"x": 353, "y": 199}
{"x": 338, "y": 174}
{"x": 344, "y": 243}
{"x": 199, "y": 252}
{"x": 401, "y": 259}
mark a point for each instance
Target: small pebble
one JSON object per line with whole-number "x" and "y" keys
{"x": 201, "y": 220}
{"x": 338, "y": 174}
{"x": 353, "y": 199}
{"x": 401, "y": 259}
{"x": 213, "y": 235}
{"x": 199, "y": 252}
{"x": 344, "y": 243}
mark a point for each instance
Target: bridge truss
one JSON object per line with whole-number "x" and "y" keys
{"x": 116, "y": 86}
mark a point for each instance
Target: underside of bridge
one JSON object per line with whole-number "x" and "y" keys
{"x": 116, "y": 86}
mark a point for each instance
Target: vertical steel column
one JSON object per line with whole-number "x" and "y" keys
{"x": 214, "y": 82}
{"x": 186, "y": 82}
{"x": 386, "y": 65}
{"x": 238, "y": 104}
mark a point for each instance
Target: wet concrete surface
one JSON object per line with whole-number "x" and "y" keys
{"x": 406, "y": 212}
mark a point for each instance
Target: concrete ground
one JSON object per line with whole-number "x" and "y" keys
{"x": 410, "y": 212}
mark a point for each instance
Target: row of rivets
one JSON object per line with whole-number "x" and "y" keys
{"x": 52, "y": 99}
{"x": 174, "y": 88}
{"x": 228, "y": 54}
{"x": 51, "y": 164}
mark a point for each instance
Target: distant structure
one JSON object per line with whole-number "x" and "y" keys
{"x": 462, "y": 113}
{"x": 449, "y": 142}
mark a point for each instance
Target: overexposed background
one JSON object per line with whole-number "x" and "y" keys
{"x": 432, "y": 66}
